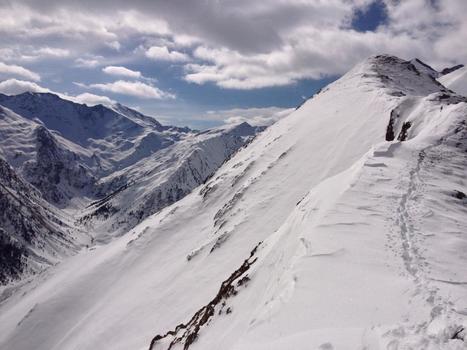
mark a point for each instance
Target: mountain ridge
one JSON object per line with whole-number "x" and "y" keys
{"x": 362, "y": 237}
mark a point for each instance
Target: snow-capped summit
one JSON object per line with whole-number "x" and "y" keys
{"x": 390, "y": 72}
{"x": 341, "y": 226}
{"x": 62, "y": 147}
{"x": 107, "y": 138}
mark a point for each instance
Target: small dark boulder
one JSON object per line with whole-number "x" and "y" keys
{"x": 459, "y": 194}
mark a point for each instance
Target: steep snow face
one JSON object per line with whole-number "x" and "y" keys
{"x": 52, "y": 164}
{"x": 425, "y": 68}
{"x": 33, "y": 235}
{"x": 320, "y": 234}
{"x": 456, "y": 80}
{"x": 55, "y": 171}
{"x": 113, "y": 138}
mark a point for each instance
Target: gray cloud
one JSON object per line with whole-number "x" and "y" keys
{"x": 15, "y": 87}
{"x": 12, "y": 69}
{"x": 235, "y": 44}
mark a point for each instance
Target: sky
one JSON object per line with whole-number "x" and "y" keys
{"x": 203, "y": 63}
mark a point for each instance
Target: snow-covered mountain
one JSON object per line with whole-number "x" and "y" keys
{"x": 33, "y": 234}
{"x": 133, "y": 194}
{"x": 42, "y": 131}
{"x": 342, "y": 226}
{"x": 68, "y": 156}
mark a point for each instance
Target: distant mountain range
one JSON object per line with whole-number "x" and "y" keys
{"x": 70, "y": 160}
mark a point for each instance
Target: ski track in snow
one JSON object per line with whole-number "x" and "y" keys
{"x": 408, "y": 218}
{"x": 411, "y": 256}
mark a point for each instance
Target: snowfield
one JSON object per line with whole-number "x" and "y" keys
{"x": 456, "y": 80}
{"x": 342, "y": 226}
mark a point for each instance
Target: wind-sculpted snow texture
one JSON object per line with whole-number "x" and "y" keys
{"x": 359, "y": 200}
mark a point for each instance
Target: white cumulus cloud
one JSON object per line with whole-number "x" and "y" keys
{"x": 132, "y": 88}
{"x": 92, "y": 99}
{"x": 162, "y": 53}
{"x": 15, "y": 87}
{"x": 11, "y": 69}
{"x": 122, "y": 71}
{"x": 244, "y": 44}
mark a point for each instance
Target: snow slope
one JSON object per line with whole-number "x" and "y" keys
{"x": 318, "y": 235}
{"x": 422, "y": 67}
{"x": 33, "y": 234}
{"x": 456, "y": 80}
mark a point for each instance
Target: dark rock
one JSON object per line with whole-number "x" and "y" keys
{"x": 451, "y": 69}
{"x": 404, "y": 131}
{"x": 390, "y": 128}
{"x": 187, "y": 333}
{"x": 459, "y": 194}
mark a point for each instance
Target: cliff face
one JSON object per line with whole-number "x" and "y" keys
{"x": 33, "y": 234}
{"x": 58, "y": 173}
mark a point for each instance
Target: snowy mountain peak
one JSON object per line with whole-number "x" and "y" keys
{"x": 397, "y": 76}
{"x": 104, "y": 139}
